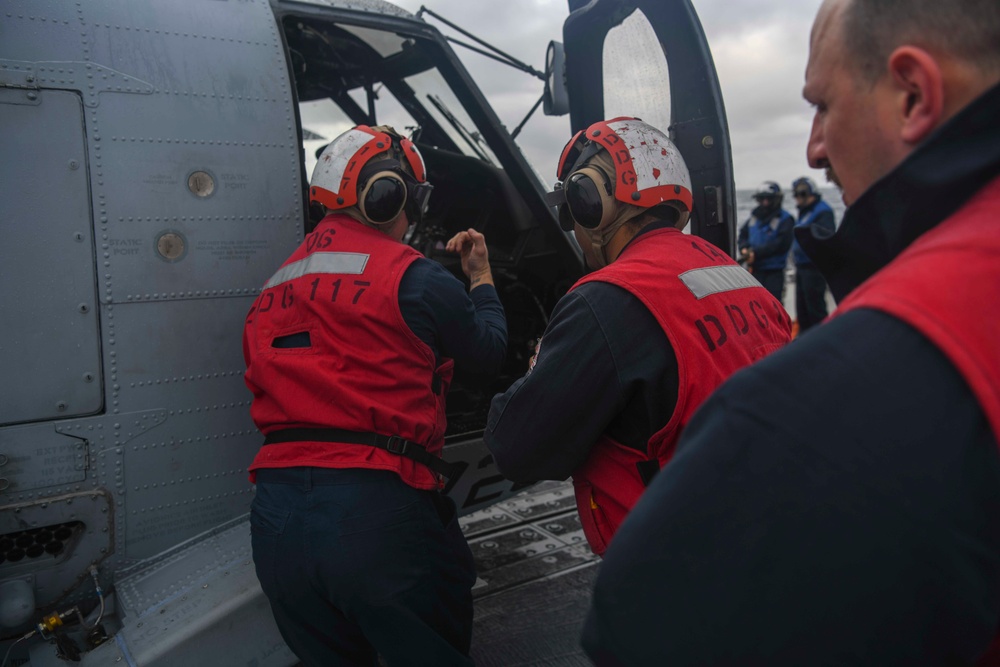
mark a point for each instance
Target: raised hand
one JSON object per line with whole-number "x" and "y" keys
{"x": 471, "y": 245}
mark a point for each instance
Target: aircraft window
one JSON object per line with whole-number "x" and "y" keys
{"x": 346, "y": 74}
{"x": 441, "y": 103}
{"x": 388, "y": 110}
{"x": 636, "y": 80}
{"x": 322, "y": 120}
{"x": 386, "y": 43}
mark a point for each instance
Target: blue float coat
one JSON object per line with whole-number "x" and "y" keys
{"x": 817, "y": 218}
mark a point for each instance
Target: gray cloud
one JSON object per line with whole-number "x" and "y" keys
{"x": 759, "y": 48}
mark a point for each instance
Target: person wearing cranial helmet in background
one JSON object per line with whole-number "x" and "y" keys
{"x": 635, "y": 346}
{"x": 816, "y": 218}
{"x": 350, "y": 349}
{"x": 764, "y": 239}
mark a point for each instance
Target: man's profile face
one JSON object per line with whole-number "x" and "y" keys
{"x": 831, "y": 177}
{"x": 851, "y": 131}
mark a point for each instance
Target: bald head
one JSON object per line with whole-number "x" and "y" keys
{"x": 963, "y": 30}
{"x": 883, "y": 75}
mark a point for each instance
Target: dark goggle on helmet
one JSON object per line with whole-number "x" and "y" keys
{"x": 804, "y": 187}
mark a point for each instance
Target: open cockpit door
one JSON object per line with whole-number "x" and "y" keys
{"x": 649, "y": 59}
{"x": 368, "y": 62}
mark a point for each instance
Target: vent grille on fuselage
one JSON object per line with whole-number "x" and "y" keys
{"x": 33, "y": 543}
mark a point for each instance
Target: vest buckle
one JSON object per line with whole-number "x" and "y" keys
{"x": 396, "y": 444}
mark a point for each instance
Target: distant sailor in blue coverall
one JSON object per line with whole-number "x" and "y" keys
{"x": 766, "y": 237}
{"x": 810, "y": 286}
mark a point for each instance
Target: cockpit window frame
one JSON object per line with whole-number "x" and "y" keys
{"x": 475, "y": 105}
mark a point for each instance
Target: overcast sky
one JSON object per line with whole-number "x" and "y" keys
{"x": 759, "y": 46}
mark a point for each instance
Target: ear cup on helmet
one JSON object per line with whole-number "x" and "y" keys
{"x": 383, "y": 197}
{"x": 590, "y": 197}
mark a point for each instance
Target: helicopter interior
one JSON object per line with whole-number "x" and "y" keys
{"x": 347, "y": 74}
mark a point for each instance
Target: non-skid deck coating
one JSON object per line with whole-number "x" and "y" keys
{"x": 535, "y": 576}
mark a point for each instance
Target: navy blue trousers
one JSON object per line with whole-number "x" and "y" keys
{"x": 810, "y": 296}
{"x": 355, "y": 563}
{"x": 773, "y": 281}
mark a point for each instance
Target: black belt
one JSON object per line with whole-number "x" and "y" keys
{"x": 390, "y": 443}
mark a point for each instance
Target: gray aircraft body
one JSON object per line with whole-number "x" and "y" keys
{"x": 152, "y": 178}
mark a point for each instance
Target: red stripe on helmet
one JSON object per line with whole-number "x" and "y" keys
{"x": 414, "y": 159}
{"x": 564, "y": 161}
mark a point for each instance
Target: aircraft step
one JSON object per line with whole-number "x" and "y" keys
{"x": 536, "y": 573}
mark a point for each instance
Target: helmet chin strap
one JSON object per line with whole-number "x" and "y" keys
{"x": 600, "y": 237}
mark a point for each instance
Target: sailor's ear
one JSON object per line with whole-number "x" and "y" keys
{"x": 918, "y": 86}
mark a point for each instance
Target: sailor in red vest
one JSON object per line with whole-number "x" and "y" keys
{"x": 634, "y": 347}
{"x": 350, "y": 349}
{"x": 838, "y": 503}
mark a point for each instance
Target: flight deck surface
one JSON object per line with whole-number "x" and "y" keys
{"x": 536, "y": 573}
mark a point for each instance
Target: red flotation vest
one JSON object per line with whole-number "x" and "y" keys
{"x": 361, "y": 369}
{"x": 717, "y": 318}
{"x": 946, "y": 285}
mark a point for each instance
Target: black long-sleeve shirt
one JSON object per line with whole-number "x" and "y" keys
{"x": 469, "y": 328}
{"x": 604, "y": 365}
{"x": 852, "y": 522}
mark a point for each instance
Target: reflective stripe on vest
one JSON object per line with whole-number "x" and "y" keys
{"x": 717, "y": 318}
{"x": 358, "y": 368}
